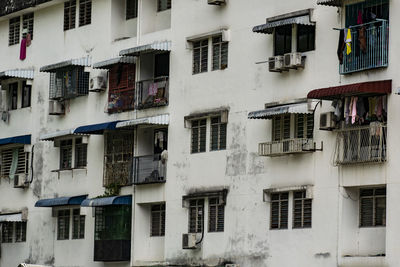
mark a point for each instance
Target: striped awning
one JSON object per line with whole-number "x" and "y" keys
{"x": 297, "y": 108}
{"x": 148, "y": 48}
{"x": 156, "y": 120}
{"x": 15, "y": 217}
{"x": 107, "y": 201}
{"x": 107, "y": 64}
{"x": 84, "y": 62}
{"x": 17, "y": 73}
{"x": 337, "y": 3}
{"x": 54, "y": 135}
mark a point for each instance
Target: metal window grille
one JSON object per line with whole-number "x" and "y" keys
{"x": 27, "y": 23}
{"x": 220, "y": 53}
{"x": 13, "y": 88}
{"x": 304, "y": 124}
{"x": 131, "y": 9}
{"x": 69, "y": 15}
{"x": 199, "y": 131}
{"x": 196, "y": 215}
{"x": 26, "y": 95}
{"x": 80, "y": 153}
{"x": 200, "y": 56}
{"x": 66, "y": 154}
{"x": 63, "y": 218}
{"x": 85, "y": 12}
{"x": 279, "y": 210}
{"x": 218, "y": 134}
{"x": 7, "y": 231}
{"x": 373, "y": 207}
{"x": 20, "y": 231}
{"x": 14, "y": 29}
{"x": 69, "y": 83}
{"x": 121, "y": 94}
{"x": 163, "y": 5}
{"x": 6, "y": 160}
{"x": 157, "y": 220}
{"x": 113, "y": 223}
{"x": 216, "y": 214}
{"x": 78, "y": 225}
{"x": 302, "y": 210}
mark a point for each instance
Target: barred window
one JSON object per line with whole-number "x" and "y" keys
{"x": 200, "y": 56}
{"x": 85, "y": 12}
{"x": 113, "y": 222}
{"x": 27, "y": 23}
{"x": 163, "y": 5}
{"x": 196, "y": 215}
{"x": 66, "y": 154}
{"x": 14, "y": 29}
{"x": 220, "y": 53}
{"x": 216, "y": 214}
{"x": 199, "y": 131}
{"x": 20, "y": 231}
{"x": 157, "y": 220}
{"x": 78, "y": 224}
{"x": 131, "y": 9}
{"x": 218, "y": 134}
{"x": 13, "y": 89}
{"x": 69, "y": 15}
{"x": 373, "y": 207}
{"x": 302, "y": 210}
{"x": 69, "y": 83}
{"x": 279, "y": 210}
{"x": 80, "y": 153}
{"x": 26, "y": 95}
{"x": 7, "y": 232}
{"x": 304, "y": 124}
{"x": 7, "y": 156}
{"x": 281, "y": 127}
{"x": 63, "y": 218}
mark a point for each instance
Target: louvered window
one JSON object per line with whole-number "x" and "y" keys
{"x": 157, "y": 220}
{"x": 7, "y": 232}
{"x": 131, "y": 9}
{"x": 121, "y": 95}
{"x": 200, "y": 56}
{"x": 69, "y": 14}
{"x": 85, "y": 12}
{"x": 20, "y": 231}
{"x": 373, "y": 207}
{"x": 279, "y": 210}
{"x": 199, "y": 131}
{"x": 281, "y": 127}
{"x": 7, "y": 156}
{"x": 63, "y": 218}
{"x": 216, "y": 215}
{"x": 304, "y": 124}
{"x": 220, "y": 53}
{"x": 13, "y": 89}
{"x": 78, "y": 225}
{"x": 66, "y": 154}
{"x": 196, "y": 215}
{"x": 218, "y": 134}
{"x": 27, "y": 23}
{"x": 69, "y": 83}
{"x": 163, "y": 5}
{"x": 14, "y": 29}
{"x": 302, "y": 210}
{"x": 80, "y": 153}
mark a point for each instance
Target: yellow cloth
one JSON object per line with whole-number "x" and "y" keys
{"x": 348, "y": 42}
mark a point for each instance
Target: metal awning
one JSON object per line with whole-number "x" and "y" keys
{"x": 54, "y": 135}
{"x": 107, "y": 64}
{"x": 107, "y": 201}
{"x": 148, "y": 48}
{"x": 297, "y": 108}
{"x": 219, "y": 193}
{"x": 355, "y": 89}
{"x": 156, "y": 120}
{"x": 14, "y": 217}
{"x": 302, "y": 17}
{"x": 17, "y": 73}
{"x": 84, "y": 62}
{"x": 60, "y": 201}
{"x": 96, "y": 128}
{"x": 23, "y": 139}
{"x": 336, "y": 3}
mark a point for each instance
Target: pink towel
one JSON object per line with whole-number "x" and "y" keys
{"x": 22, "y": 53}
{"x": 354, "y": 110}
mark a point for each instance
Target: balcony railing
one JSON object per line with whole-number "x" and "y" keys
{"x": 118, "y": 173}
{"x": 283, "y": 147}
{"x": 366, "y": 144}
{"x": 375, "y": 54}
{"x": 149, "y": 169}
{"x": 152, "y": 93}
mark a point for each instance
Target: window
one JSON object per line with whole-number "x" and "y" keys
{"x": 9, "y": 156}
{"x": 113, "y": 223}
{"x": 78, "y": 224}
{"x": 131, "y": 9}
{"x": 13, "y": 87}
{"x": 283, "y": 40}
{"x": 200, "y": 56}
{"x": 161, "y": 65}
{"x": 69, "y": 83}
{"x": 279, "y": 210}
{"x": 304, "y": 127}
{"x": 85, "y": 12}
{"x": 305, "y": 38}
{"x": 7, "y": 232}
{"x": 80, "y": 153}
{"x": 26, "y": 95}
{"x": 20, "y": 232}
{"x": 373, "y": 207}
{"x": 14, "y": 28}
{"x": 63, "y": 218}
{"x": 27, "y": 23}
{"x": 196, "y": 213}
{"x": 69, "y": 15}
{"x": 216, "y": 214}
{"x": 13, "y": 232}
{"x": 157, "y": 220}
{"x": 66, "y": 154}
{"x": 220, "y": 53}
{"x": 199, "y": 130}
{"x": 121, "y": 94}
{"x": 281, "y": 127}
{"x": 302, "y": 210}
{"x": 163, "y": 5}
{"x": 218, "y": 134}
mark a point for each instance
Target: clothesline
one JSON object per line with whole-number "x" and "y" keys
{"x": 360, "y": 25}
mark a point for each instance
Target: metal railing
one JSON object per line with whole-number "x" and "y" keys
{"x": 149, "y": 169}
{"x": 374, "y": 54}
{"x": 366, "y": 144}
{"x": 152, "y": 93}
{"x": 288, "y": 146}
{"x": 118, "y": 173}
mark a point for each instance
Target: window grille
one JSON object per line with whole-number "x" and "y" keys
{"x": 216, "y": 214}
{"x": 7, "y": 232}
{"x": 14, "y": 29}
{"x": 131, "y": 9}
{"x": 63, "y": 218}
{"x": 6, "y": 160}
{"x": 66, "y": 154}
{"x": 27, "y": 23}
{"x": 373, "y": 207}
{"x": 85, "y": 12}
{"x": 163, "y": 5}
{"x": 20, "y": 231}
{"x": 78, "y": 226}
{"x": 121, "y": 95}
{"x": 199, "y": 131}
{"x": 69, "y": 83}
{"x": 279, "y": 210}
{"x": 80, "y": 153}
{"x": 218, "y": 134}
{"x": 220, "y": 53}
{"x": 157, "y": 220}
{"x": 69, "y": 15}
{"x": 26, "y": 95}
{"x": 302, "y": 210}
{"x": 200, "y": 56}
{"x": 196, "y": 213}
{"x": 113, "y": 223}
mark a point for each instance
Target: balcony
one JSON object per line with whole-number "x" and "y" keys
{"x": 366, "y": 144}
{"x": 149, "y": 170}
{"x": 152, "y": 93}
{"x": 376, "y": 51}
{"x": 284, "y": 147}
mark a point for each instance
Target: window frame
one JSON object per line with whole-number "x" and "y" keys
{"x": 14, "y": 29}
{"x": 374, "y": 197}
{"x": 28, "y": 23}
{"x": 85, "y": 12}
{"x": 198, "y": 146}
{"x": 221, "y": 129}
{"x": 309, "y": 32}
{"x": 281, "y": 225}
{"x": 66, "y": 146}
{"x": 7, "y": 156}
{"x": 7, "y": 234}
{"x": 78, "y": 224}
{"x": 200, "y": 56}
{"x": 80, "y": 151}
{"x": 26, "y": 95}
{"x": 13, "y": 89}
{"x": 63, "y": 224}
{"x": 70, "y": 15}
{"x": 287, "y": 40}
{"x": 157, "y": 214}
{"x": 20, "y": 232}
{"x": 196, "y": 215}
{"x": 131, "y": 9}
{"x": 302, "y": 213}
{"x": 220, "y": 52}
{"x": 163, "y": 5}
{"x": 216, "y": 224}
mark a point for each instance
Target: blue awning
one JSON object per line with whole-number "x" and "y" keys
{"x": 60, "y": 201}
{"x": 96, "y": 128}
{"x": 23, "y": 139}
{"x": 107, "y": 201}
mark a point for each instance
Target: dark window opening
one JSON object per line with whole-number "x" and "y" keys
{"x": 305, "y": 38}
{"x": 163, "y": 5}
{"x": 157, "y": 220}
{"x": 85, "y": 12}
{"x": 78, "y": 225}
{"x": 26, "y": 95}
{"x": 283, "y": 40}
{"x": 161, "y": 65}
{"x": 199, "y": 131}
{"x": 302, "y": 210}
{"x": 196, "y": 215}
{"x": 13, "y": 87}
{"x": 131, "y": 9}
{"x": 220, "y": 53}
{"x": 63, "y": 218}
{"x": 216, "y": 215}
{"x": 200, "y": 56}
{"x": 27, "y": 24}
{"x": 80, "y": 153}
{"x": 160, "y": 141}
{"x": 66, "y": 154}
{"x": 373, "y": 207}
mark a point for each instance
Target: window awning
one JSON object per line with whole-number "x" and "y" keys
{"x": 302, "y": 17}
{"x": 156, "y": 120}
{"x": 336, "y": 3}
{"x": 17, "y": 73}
{"x": 219, "y": 193}
{"x": 14, "y": 217}
{"x": 96, "y": 128}
{"x": 23, "y": 139}
{"x": 107, "y": 201}
{"x": 84, "y": 62}
{"x": 107, "y": 64}
{"x": 60, "y": 201}
{"x": 296, "y": 108}
{"x": 148, "y": 48}
{"x": 355, "y": 89}
{"x": 54, "y": 135}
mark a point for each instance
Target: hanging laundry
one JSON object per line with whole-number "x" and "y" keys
{"x": 22, "y": 52}
{"x": 379, "y": 107}
{"x": 362, "y": 39}
{"x": 153, "y": 88}
{"x": 348, "y": 42}
{"x": 354, "y": 110}
{"x": 346, "y": 109}
{"x": 28, "y": 40}
{"x": 341, "y": 47}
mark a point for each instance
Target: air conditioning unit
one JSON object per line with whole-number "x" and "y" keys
{"x": 189, "y": 241}
{"x": 56, "y": 108}
{"x": 19, "y": 181}
{"x": 5, "y": 116}
{"x": 98, "y": 83}
{"x": 216, "y": 2}
{"x": 326, "y": 121}
{"x": 294, "y": 61}
{"x": 276, "y": 64}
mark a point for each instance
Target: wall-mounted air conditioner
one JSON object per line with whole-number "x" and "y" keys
{"x": 276, "y": 64}
{"x": 189, "y": 241}
{"x": 5, "y": 116}
{"x": 98, "y": 82}
{"x": 20, "y": 181}
{"x": 326, "y": 121}
{"x": 294, "y": 61}
{"x": 56, "y": 108}
{"x": 216, "y": 2}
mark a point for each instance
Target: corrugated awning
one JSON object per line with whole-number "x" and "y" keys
{"x": 15, "y": 217}
{"x": 96, "y": 128}
{"x": 355, "y": 89}
{"x": 107, "y": 201}
{"x": 156, "y": 120}
{"x": 17, "y": 73}
{"x": 148, "y": 48}
{"x": 54, "y": 135}
{"x": 107, "y": 64}
{"x": 23, "y": 139}
{"x": 297, "y": 108}
{"x": 336, "y": 3}
{"x": 84, "y": 62}
{"x": 60, "y": 201}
